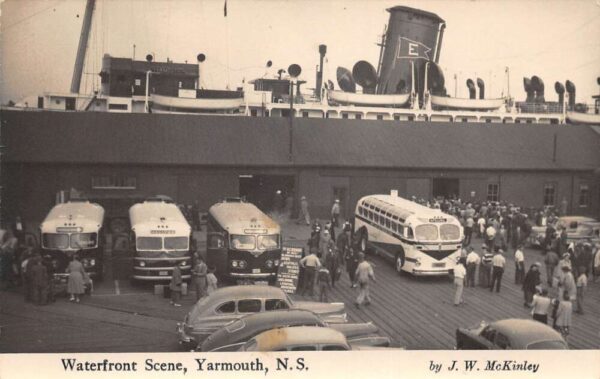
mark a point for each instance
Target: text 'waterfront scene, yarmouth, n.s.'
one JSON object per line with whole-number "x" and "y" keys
{"x": 227, "y": 175}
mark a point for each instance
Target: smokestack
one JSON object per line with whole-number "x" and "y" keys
{"x": 537, "y": 84}
{"x": 570, "y": 87}
{"x": 560, "y": 90}
{"x": 322, "y": 52}
{"x": 201, "y": 58}
{"x": 471, "y": 87}
{"x": 481, "y": 86}
{"x": 529, "y": 90}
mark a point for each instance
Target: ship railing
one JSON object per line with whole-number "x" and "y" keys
{"x": 543, "y": 108}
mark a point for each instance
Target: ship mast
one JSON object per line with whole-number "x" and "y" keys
{"x": 83, "y": 41}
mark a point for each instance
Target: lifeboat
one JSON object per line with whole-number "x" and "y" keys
{"x": 467, "y": 104}
{"x": 229, "y": 100}
{"x": 583, "y": 118}
{"x": 351, "y": 98}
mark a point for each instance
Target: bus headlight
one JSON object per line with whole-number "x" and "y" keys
{"x": 92, "y": 262}
{"x": 184, "y": 263}
{"x": 269, "y": 263}
{"x": 242, "y": 264}
{"x": 142, "y": 264}
{"x": 234, "y": 263}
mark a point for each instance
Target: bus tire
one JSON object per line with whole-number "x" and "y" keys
{"x": 364, "y": 240}
{"x": 399, "y": 261}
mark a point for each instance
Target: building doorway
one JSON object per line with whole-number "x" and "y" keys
{"x": 262, "y": 191}
{"x": 446, "y": 187}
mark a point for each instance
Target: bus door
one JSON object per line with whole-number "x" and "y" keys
{"x": 216, "y": 249}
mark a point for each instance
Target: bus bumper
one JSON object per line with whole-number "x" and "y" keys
{"x": 418, "y": 272}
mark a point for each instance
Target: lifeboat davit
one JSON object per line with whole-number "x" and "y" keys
{"x": 455, "y": 103}
{"x": 365, "y": 99}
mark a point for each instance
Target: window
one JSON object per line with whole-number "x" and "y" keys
{"x": 584, "y": 195}
{"x": 249, "y": 306}
{"x": 303, "y": 348}
{"x": 358, "y": 116}
{"x": 370, "y": 215}
{"x": 396, "y": 117}
{"x": 427, "y": 232}
{"x": 344, "y": 115}
{"x": 253, "y": 112}
{"x": 55, "y": 241}
{"x": 376, "y": 218}
{"x": 275, "y": 304}
{"x": 268, "y": 242}
{"x": 305, "y": 114}
{"x": 410, "y": 233}
{"x": 387, "y": 223}
{"x": 119, "y": 107}
{"x": 394, "y": 227}
{"x": 380, "y": 117}
{"x": 114, "y": 182}
{"x": 549, "y": 193}
{"x": 242, "y": 242}
{"x": 83, "y": 240}
{"x": 228, "y": 307}
{"x": 149, "y": 243}
{"x": 449, "y": 232}
{"x": 177, "y": 243}
{"x": 333, "y": 347}
{"x": 138, "y": 82}
{"x": 493, "y": 191}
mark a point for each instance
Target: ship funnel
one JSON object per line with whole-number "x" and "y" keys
{"x": 435, "y": 80}
{"x": 529, "y": 90}
{"x": 537, "y": 84}
{"x": 570, "y": 87}
{"x": 318, "y": 87}
{"x": 365, "y": 75}
{"x": 560, "y": 90}
{"x": 149, "y": 58}
{"x": 413, "y": 38}
{"x": 481, "y": 86}
{"x": 345, "y": 80}
{"x": 471, "y": 87}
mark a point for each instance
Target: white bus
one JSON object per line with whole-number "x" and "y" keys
{"x": 73, "y": 227}
{"x": 417, "y": 239}
{"x": 161, "y": 237}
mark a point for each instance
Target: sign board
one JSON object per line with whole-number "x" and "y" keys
{"x": 287, "y": 275}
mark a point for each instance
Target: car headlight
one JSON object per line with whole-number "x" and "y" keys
{"x": 269, "y": 263}
{"x": 92, "y": 262}
{"x": 242, "y": 264}
{"x": 142, "y": 264}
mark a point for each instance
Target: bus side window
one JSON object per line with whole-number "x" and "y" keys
{"x": 216, "y": 241}
{"x": 370, "y": 215}
{"x": 394, "y": 227}
{"x": 410, "y": 233}
{"x": 376, "y": 218}
{"x": 401, "y": 230}
{"x": 387, "y": 223}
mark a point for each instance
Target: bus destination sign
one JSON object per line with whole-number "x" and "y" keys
{"x": 438, "y": 219}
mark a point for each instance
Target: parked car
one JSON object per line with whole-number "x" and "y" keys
{"x": 587, "y": 231}
{"x": 233, "y": 335}
{"x": 510, "y": 334}
{"x": 302, "y": 338}
{"x": 231, "y": 303}
{"x": 538, "y": 233}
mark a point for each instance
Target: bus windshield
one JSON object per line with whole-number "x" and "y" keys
{"x": 83, "y": 240}
{"x": 55, "y": 241}
{"x": 449, "y": 232}
{"x": 268, "y": 242}
{"x": 426, "y": 232}
{"x": 149, "y": 243}
{"x": 242, "y": 242}
{"x": 176, "y": 243}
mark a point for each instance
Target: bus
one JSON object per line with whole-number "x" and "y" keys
{"x": 417, "y": 239}
{"x": 160, "y": 236}
{"x": 73, "y": 227}
{"x": 243, "y": 243}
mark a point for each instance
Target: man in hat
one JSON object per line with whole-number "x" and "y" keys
{"x": 304, "y": 215}
{"x": 310, "y": 264}
{"x": 364, "y": 275}
{"x": 498, "y": 263}
{"x": 519, "y": 265}
{"x": 335, "y": 213}
{"x": 473, "y": 260}
{"x": 485, "y": 268}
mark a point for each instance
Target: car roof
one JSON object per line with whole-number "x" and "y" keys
{"x": 245, "y": 292}
{"x": 278, "y": 317}
{"x": 523, "y": 332}
{"x": 275, "y": 339}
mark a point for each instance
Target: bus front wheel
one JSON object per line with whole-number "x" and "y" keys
{"x": 399, "y": 262}
{"x": 364, "y": 237}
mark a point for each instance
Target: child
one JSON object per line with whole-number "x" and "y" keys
{"x": 324, "y": 282}
{"x": 581, "y": 286}
{"x": 211, "y": 281}
{"x": 175, "y": 286}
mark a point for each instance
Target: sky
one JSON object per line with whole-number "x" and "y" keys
{"x": 554, "y": 39}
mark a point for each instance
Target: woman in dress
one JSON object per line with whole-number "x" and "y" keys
{"x": 75, "y": 286}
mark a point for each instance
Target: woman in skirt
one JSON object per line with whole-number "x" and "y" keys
{"x": 76, "y": 285}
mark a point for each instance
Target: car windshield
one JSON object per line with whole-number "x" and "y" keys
{"x": 547, "y": 345}
{"x": 177, "y": 243}
{"x": 449, "y": 232}
{"x": 268, "y": 242}
{"x": 243, "y": 242}
{"x": 149, "y": 243}
{"x": 83, "y": 240}
{"x": 55, "y": 241}
{"x": 426, "y": 232}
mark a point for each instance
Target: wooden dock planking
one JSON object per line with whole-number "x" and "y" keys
{"x": 418, "y": 313}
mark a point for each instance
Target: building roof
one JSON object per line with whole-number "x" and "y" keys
{"x": 165, "y": 139}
